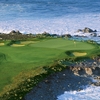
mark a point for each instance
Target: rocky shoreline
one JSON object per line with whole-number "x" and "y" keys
{"x": 73, "y": 78}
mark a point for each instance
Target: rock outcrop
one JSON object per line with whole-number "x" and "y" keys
{"x": 13, "y": 32}
{"x": 74, "y": 77}
{"x": 70, "y": 79}
{"x": 86, "y": 71}
{"x": 86, "y": 30}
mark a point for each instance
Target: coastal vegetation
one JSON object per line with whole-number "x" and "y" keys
{"x": 26, "y": 61}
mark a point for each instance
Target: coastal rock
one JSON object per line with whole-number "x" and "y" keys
{"x": 79, "y": 30}
{"x": 86, "y": 30}
{"x": 92, "y": 70}
{"x": 13, "y": 32}
{"x": 88, "y": 71}
{"x": 96, "y": 71}
{"x": 45, "y": 34}
{"x": 59, "y": 82}
{"x": 66, "y": 35}
{"x": 93, "y": 34}
{"x": 96, "y": 84}
{"x": 81, "y": 74}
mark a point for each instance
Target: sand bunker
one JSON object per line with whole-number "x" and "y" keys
{"x": 17, "y": 45}
{"x": 27, "y": 42}
{"x": 79, "y": 54}
{"x": 23, "y": 43}
{"x": 1, "y": 44}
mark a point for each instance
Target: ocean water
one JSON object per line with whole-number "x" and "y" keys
{"x": 55, "y": 17}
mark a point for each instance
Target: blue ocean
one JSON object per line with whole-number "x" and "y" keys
{"x": 55, "y": 17}
{"x": 30, "y": 9}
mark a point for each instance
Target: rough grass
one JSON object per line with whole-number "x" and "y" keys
{"x": 35, "y": 54}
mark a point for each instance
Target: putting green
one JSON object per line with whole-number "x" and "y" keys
{"x": 63, "y": 44}
{"x": 77, "y": 54}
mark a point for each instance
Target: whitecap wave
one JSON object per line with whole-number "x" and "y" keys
{"x": 61, "y": 25}
{"x": 90, "y": 93}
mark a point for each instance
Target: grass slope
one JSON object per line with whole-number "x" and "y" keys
{"x": 14, "y": 60}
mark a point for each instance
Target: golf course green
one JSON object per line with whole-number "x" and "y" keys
{"x": 29, "y": 55}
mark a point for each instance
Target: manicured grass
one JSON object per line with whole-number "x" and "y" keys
{"x": 33, "y": 54}
{"x": 63, "y": 44}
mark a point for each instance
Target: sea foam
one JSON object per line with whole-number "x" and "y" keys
{"x": 90, "y": 93}
{"x": 60, "y": 25}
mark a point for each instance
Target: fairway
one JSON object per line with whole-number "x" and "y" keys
{"x": 31, "y": 54}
